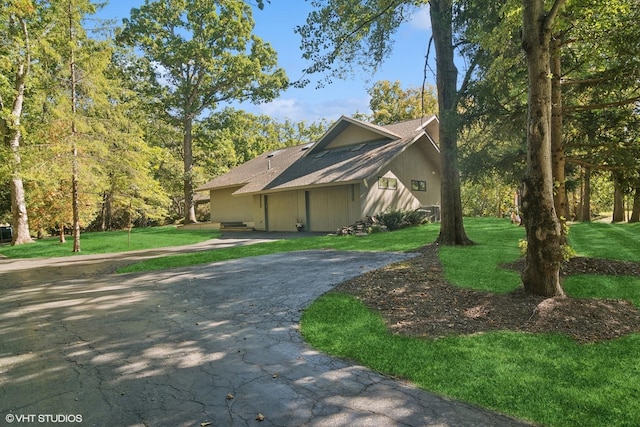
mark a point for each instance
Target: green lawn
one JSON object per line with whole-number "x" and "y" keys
{"x": 545, "y": 378}
{"x": 606, "y": 240}
{"x": 401, "y": 240}
{"x": 478, "y": 266}
{"x": 610, "y": 241}
{"x": 110, "y": 241}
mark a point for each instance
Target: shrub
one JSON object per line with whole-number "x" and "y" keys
{"x": 395, "y": 219}
{"x": 416, "y": 217}
{"x": 392, "y": 219}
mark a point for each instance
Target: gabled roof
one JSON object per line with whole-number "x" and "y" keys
{"x": 322, "y": 163}
{"x": 373, "y": 133}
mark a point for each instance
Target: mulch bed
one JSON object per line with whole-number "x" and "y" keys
{"x": 415, "y": 300}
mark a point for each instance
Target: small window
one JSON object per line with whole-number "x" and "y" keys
{"x": 418, "y": 185}
{"x": 387, "y": 183}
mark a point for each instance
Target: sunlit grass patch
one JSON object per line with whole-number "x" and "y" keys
{"x": 406, "y": 239}
{"x": 605, "y": 240}
{"x": 548, "y": 379}
{"x": 479, "y": 266}
{"x": 110, "y": 242}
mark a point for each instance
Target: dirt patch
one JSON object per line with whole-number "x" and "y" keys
{"x": 414, "y": 299}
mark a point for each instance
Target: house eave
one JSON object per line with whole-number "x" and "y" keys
{"x": 221, "y": 187}
{"x": 297, "y": 188}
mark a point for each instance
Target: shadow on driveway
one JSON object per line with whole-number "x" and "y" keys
{"x": 215, "y": 344}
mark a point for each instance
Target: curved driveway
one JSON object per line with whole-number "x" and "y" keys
{"x": 213, "y": 345}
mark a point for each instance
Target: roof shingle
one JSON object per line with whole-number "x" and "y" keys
{"x": 290, "y": 168}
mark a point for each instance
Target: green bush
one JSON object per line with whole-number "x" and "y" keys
{"x": 395, "y": 219}
{"x": 416, "y": 217}
{"x": 392, "y": 219}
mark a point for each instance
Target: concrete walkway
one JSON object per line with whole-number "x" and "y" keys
{"x": 211, "y": 345}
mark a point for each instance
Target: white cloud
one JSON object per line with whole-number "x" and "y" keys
{"x": 421, "y": 19}
{"x": 296, "y": 109}
{"x": 282, "y": 107}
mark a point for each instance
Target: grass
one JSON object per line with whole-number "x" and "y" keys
{"x": 110, "y": 241}
{"x": 609, "y": 241}
{"x": 544, "y": 378}
{"x": 547, "y": 379}
{"x": 606, "y": 240}
{"x": 401, "y": 240}
{"x": 478, "y": 266}
{"x": 617, "y": 287}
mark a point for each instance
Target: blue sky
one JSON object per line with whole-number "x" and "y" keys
{"x": 276, "y": 24}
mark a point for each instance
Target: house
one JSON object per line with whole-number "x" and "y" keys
{"x": 354, "y": 170}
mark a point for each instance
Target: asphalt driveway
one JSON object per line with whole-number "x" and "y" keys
{"x": 211, "y": 345}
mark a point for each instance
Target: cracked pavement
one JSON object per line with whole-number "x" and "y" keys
{"x": 217, "y": 344}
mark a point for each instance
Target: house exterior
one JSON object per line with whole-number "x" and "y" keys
{"x": 354, "y": 170}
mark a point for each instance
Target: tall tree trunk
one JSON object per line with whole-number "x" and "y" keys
{"x": 451, "y": 227}
{"x": 585, "y": 214}
{"x": 618, "y": 200}
{"x": 103, "y": 213}
{"x": 20, "y": 223}
{"x": 635, "y": 211}
{"x": 107, "y": 212}
{"x": 558, "y": 157}
{"x": 544, "y": 237}
{"x": 189, "y": 205}
{"x": 11, "y": 134}
{"x": 75, "y": 203}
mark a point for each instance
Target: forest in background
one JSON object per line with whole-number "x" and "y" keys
{"x": 96, "y": 130}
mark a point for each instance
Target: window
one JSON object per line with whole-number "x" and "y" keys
{"x": 387, "y": 183}
{"x": 418, "y": 185}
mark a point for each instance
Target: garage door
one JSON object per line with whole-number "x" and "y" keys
{"x": 328, "y": 208}
{"x": 282, "y": 210}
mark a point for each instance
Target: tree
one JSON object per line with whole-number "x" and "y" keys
{"x": 17, "y": 17}
{"x": 606, "y": 81}
{"x": 391, "y": 104}
{"x": 74, "y": 90}
{"x": 231, "y": 137}
{"x": 161, "y": 135}
{"x": 582, "y": 81}
{"x": 544, "y": 235}
{"x": 203, "y": 53}
{"x": 452, "y": 229}
{"x": 344, "y": 33}
{"x": 606, "y": 141}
